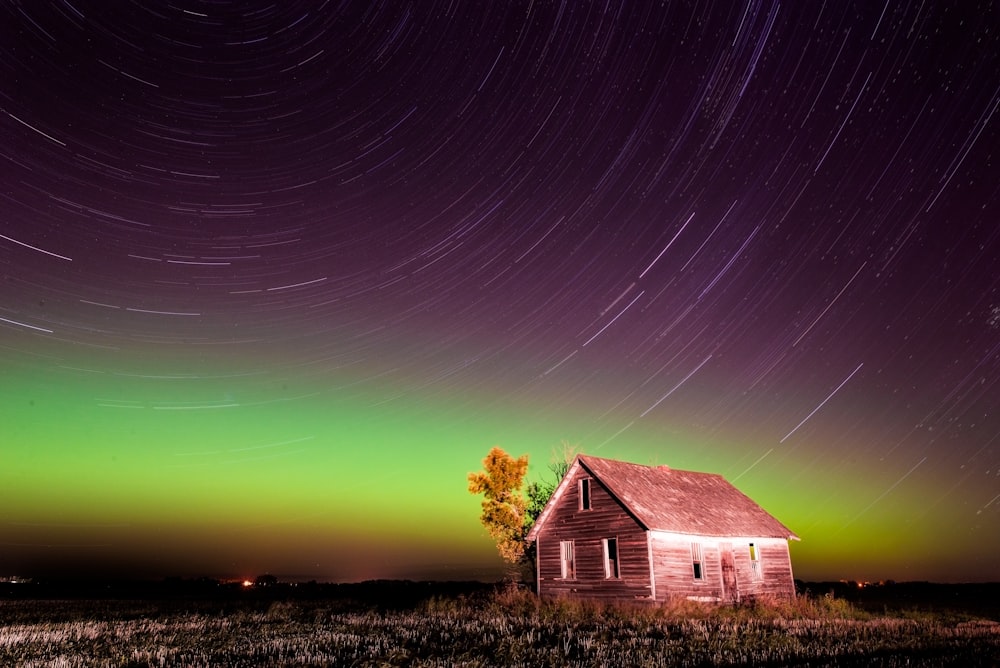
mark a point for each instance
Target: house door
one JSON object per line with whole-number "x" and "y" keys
{"x": 730, "y": 593}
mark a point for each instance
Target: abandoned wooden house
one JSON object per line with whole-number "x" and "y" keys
{"x": 618, "y": 531}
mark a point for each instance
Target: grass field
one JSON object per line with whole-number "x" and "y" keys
{"x": 498, "y": 628}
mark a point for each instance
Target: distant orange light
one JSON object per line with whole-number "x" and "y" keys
{"x": 247, "y": 583}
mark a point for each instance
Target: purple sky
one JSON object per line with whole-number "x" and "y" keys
{"x": 759, "y": 238}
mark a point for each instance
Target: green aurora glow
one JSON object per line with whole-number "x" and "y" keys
{"x": 215, "y": 475}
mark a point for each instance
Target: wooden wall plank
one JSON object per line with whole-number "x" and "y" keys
{"x": 587, "y": 528}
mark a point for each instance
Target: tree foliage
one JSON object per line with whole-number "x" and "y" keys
{"x": 503, "y": 514}
{"x": 507, "y": 513}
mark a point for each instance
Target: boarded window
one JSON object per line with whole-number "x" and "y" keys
{"x": 585, "y": 494}
{"x": 568, "y": 559}
{"x": 755, "y": 571}
{"x": 611, "y": 558}
{"x": 696, "y": 561}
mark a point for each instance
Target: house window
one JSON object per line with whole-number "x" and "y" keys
{"x": 585, "y": 494}
{"x": 755, "y": 571}
{"x": 611, "y": 558}
{"x": 568, "y": 559}
{"x": 696, "y": 561}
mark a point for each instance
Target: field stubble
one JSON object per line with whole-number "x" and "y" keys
{"x": 506, "y": 628}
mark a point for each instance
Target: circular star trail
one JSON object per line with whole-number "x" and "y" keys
{"x": 277, "y": 275}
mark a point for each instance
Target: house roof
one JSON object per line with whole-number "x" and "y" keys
{"x": 666, "y": 499}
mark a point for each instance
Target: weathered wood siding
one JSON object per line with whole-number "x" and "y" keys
{"x": 775, "y": 566}
{"x": 587, "y": 528}
{"x": 674, "y": 573}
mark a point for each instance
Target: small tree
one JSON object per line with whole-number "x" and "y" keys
{"x": 503, "y": 506}
{"x": 539, "y": 493}
{"x": 507, "y": 515}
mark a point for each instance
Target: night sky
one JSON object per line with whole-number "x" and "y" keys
{"x": 277, "y": 275}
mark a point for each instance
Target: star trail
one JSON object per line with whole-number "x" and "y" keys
{"x": 276, "y": 276}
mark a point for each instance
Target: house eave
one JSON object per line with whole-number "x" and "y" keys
{"x": 722, "y": 536}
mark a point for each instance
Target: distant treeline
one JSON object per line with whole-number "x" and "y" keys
{"x": 380, "y": 593}
{"x": 977, "y": 597}
{"x": 982, "y": 598}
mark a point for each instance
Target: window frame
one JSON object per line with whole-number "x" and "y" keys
{"x": 697, "y": 561}
{"x": 756, "y": 570}
{"x": 612, "y": 566}
{"x": 567, "y": 559}
{"x": 584, "y": 488}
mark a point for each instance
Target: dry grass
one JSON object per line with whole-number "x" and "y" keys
{"x": 508, "y": 628}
